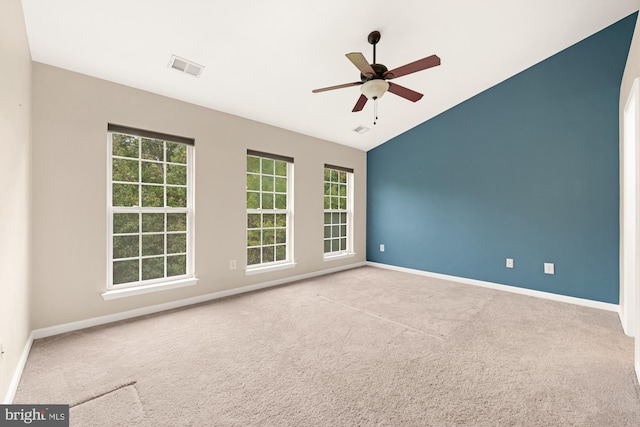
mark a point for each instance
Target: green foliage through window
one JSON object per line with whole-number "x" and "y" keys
{"x": 267, "y": 210}
{"x": 149, "y": 209}
{"x": 336, "y": 211}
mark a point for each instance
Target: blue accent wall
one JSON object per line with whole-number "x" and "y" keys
{"x": 527, "y": 169}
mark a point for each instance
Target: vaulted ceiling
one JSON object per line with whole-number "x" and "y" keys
{"x": 263, "y": 58}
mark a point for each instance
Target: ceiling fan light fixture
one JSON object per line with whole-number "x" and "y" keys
{"x": 374, "y": 89}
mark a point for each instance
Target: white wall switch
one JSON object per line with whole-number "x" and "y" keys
{"x": 381, "y": 248}
{"x": 232, "y": 264}
{"x": 509, "y": 262}
{"x": 549, "y": 268}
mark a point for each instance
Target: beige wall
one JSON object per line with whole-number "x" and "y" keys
{"x": 70, "y": 116}
{"x": 15, "y": 170}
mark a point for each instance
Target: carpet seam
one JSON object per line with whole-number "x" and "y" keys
{"x": 133, "y": 383}
{"x": 368, "y": 313}
{"x": 142, "y": 405}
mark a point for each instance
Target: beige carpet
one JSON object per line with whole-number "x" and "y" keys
{"x": 125, "y": 408}
{"x": 365, "y": 347}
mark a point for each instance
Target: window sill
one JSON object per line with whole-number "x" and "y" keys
{"x": 144, "y": 289}
{"x": 340, "y": 256}
{"x": 268, "y": 268}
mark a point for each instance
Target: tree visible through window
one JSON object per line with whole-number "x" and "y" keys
{"x": 150, "y": 209}
{"x": 268, "y": 213}
{"x": 337, "y": 210}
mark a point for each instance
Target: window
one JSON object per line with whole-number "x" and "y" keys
{"x": 150, "y": 208}
{"x": 269, "y": 218}
{"x": 338, "y": 202}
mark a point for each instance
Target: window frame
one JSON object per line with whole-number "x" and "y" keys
{"x": 288, "y": 261}
{"x": 149, "y": 285}
{"x": 349, "y": 249}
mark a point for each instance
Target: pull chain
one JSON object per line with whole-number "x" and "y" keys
{"x": 375, "y": 110}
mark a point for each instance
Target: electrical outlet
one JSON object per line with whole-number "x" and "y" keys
{"x": 509, "y": 262}
{"x": 549, "y": 268}
{"x": 232, "y": 264}
{"x": 381, "y": 247}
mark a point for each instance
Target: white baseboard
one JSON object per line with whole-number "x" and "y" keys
{"x": 96, "y": 321}
{"x": 17, "y": 374}
{"x": 110, "y": 318}
{"x": 624, "y": 323}
{"x": 513, "y": 289}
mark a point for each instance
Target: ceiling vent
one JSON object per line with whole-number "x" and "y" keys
{"x": 185, "y": 66}
{"x": 361, "y": 129}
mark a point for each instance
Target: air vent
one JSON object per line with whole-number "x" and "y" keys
{"x": 361, "y": 129}
{"x": 185, "y": 66}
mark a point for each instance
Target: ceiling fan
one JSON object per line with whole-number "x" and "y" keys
{"x": 373, "y": 77}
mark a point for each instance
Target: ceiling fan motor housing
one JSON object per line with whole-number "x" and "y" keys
{"x": 379, "y": 69}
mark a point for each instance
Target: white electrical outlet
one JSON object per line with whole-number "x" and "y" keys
{"x": 549, "y": 268}
{"x": 509, "y": 262}
{"x": 381, "y": 247}
{"x": 232, "y": 264}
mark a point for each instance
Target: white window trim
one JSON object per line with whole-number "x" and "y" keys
{"x": 265, "y": 268}
{"x": 289, "y": 262}
{"x": 341, "y": 255}
{"x": 137, "y": 288}
{"x": 144, "y": 289}
{"x": 349, "y": 251}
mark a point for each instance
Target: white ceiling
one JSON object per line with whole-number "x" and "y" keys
{"x": 263, "y": 58}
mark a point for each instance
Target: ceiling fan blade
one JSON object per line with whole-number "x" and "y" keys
{"x": 419, "y": 65}
{"x": 324, "y": 89}
{"x": 405, "y": 93}
{"x": 360, "y": 104}
{"x": 361, "y": 63}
